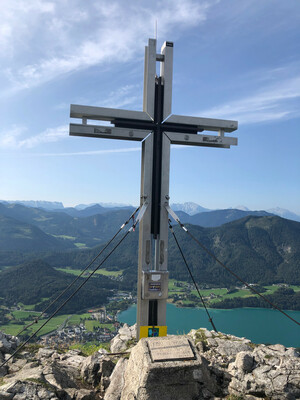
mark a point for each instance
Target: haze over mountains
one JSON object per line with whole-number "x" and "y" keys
{"x": 29, "y": 229}
{"x": 189, "y": 208}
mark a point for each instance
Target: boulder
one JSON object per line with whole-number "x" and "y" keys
{"x": 27, "y": 391}
{"x": 116, "y": 381}
{"x": 268, "y": 372}
{"x": 51, "y": 376}
{"x": 85, "y": 394}
{"x": 124, "y": 339}
{"x": 244, "y": 362}
{"x": 96, "y": 370}
{"x": 90, "y": 369}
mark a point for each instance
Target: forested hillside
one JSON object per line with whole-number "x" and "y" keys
{"x": 36, "y": 282}
{"x": 84, "y": 231}
{"x": 260, "y": 249}
{"x": 21, "y": 236}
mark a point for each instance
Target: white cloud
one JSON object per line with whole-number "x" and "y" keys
{"x": 273, "y": 102}
{"x": 9, "y": 137}
{"x": 90, "y": 153}
{"x": 45, "y": 39}
{"x": 97, "y": 152}
{"x": 12, "y": 140}
{"x": 122, "y": 97}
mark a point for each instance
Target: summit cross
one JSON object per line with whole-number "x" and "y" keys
{"x": 157, "y": 129}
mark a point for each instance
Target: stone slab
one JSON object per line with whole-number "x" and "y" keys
{"x": 170, "y": 349}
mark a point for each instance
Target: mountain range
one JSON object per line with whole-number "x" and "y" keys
{"x": 83, "y": 228}
{"x": 216, "y": 218}
{"x": 259, "y": 247}
{"x": 189, "y": 208}
{"x": 30, "y": 229}
{"x": 261, "y": 250}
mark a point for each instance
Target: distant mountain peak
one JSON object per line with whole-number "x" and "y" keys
{"x": 242, "y": 208}
{"x": 46, "y": 205}
{"x": 189, "y": 208}
{"x": 282, "y": 212}
{"x": 105, "y": 205}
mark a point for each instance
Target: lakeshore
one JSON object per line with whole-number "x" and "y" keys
{"x": 260, "y": 325}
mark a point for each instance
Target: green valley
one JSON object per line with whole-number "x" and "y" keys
{"x": 42, "y": 252}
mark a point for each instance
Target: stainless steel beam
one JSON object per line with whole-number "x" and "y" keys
{"x": 201, "y": 140}
{"x": 149, "y": 78}
{"x": 166, "y": 72}
{"x": 107, "y": 132}
{"x": 208, "y": 124}
{"x": 106, "y": 114}
{"x": 145, "y": 262}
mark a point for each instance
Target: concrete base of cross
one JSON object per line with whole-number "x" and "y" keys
{"x": 166, "y": 368}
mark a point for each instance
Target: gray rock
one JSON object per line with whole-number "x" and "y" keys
{"x": 116, "y": 381}
{"x": 106, "y": 368}
{"x": 231, "y": 347}
{"x": 4, "y": 369}
{"x": 44, "y": 353}
{"x": 273, "y": 374}
{"x": 59, "y": 377}
{"x": 70, "y": 360}
{"x": 96, "y": 370}
{"x": 6, "y": 396}
{"x": 291, "y": 352}
{"x": 123, "y": 339}
{"x": 5, "y": 345}
{"x": 102, "y": 352}
{"x": 84, "y": 394}
{"x": 244, "y": 362}
{"x": 222, "y": 365}
{"x": 16, "y": 365}
{"x": 90, "y": 369}
{"x": 27, "y": 391}
{"x": 8, "y": 343}
{"x": 28, "y": 373}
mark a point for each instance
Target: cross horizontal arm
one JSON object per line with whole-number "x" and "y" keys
{"x": 106, "y": 114}
{"x": 207, "y": 124}
{"x": 108, "y": 132}
{"x": 201, "y": 140}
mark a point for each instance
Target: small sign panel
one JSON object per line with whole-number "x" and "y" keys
{"x": 152, "y": 331}
{"x": 154, "y": 287}
{"x": 103, "y": 130}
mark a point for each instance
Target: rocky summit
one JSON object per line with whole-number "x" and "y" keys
{"x": 200, "y": 365}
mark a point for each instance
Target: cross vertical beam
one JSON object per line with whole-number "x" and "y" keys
{"x": 157, "y": 129}
{"x": 152, "y": 265}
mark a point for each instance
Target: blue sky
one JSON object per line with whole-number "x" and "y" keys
{"x": 232, "y": 59}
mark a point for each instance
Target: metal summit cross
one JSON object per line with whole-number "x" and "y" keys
{"x": 157, "y": 129}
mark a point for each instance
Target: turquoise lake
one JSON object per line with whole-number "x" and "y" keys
{"x": 260, "y": 325}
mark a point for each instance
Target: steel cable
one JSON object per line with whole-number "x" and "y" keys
{"x": 191, "y": 275}
{"x": 79, "y": 276}
{"x": 67, "y": 300}
{"x": 233, "y": 273}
